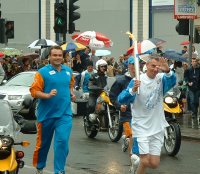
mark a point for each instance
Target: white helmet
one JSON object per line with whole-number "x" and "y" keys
{"x": 100, "y": 63}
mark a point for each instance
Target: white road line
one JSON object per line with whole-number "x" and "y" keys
{"x": 31, "y": 167}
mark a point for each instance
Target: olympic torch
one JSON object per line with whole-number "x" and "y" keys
{"x": 136, "y": 57}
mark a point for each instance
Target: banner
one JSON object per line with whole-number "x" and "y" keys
{"x": 162, "y": 3}
{"x": 185, "y": 9}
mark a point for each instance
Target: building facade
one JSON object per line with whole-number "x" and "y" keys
{"x": 35, "y": 19}
{"x": 146, "y": 18}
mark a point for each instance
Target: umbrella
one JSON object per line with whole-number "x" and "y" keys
{"x": 172, "y": 54}
{"x": 1, "y": 54}
{"x": 41, "y": 43}
{"x": 45, "y": 53}
{"x": 102, "y": 53}
{"x": 146, "y": 45}
{"x": 144, "y": 57}
{"x": 29, "y": 55}
{"x": 72, "y": 46}
{"x": 186, "y": 55}
{"x": 186, "y": 42}
{"x": 92, "y": 39}
{"x": 10, "y": 51}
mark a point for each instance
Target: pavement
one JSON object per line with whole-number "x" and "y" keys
{"x": 190, "y": 128}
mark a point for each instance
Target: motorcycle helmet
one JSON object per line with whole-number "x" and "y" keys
{"x": 100, "y": 62}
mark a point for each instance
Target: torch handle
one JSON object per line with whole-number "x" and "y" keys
{"x": 136, "y": 64}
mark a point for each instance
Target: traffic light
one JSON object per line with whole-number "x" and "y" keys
{"x": 60, "y": 18}
{"x": 182, "y": 27}
{"x": 198, "y": 2}
{"x": 10, "y": 29}
{"x": 73, "y": 15}
{"x": 3, "y": 38}
{"x": 196, "y": 36}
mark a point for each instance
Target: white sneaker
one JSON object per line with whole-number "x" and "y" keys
{"x": 39, "y": 171}
{"x": 125, "y": 142}
{"x": 135, "y": 160}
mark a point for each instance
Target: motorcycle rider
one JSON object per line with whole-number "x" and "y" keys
{"x": 97, "y": 81}
{"x": 119, "y": 85}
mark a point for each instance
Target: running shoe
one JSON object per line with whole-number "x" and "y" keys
{"x": 125, "y": 143}
{"x": 134, "y": 163}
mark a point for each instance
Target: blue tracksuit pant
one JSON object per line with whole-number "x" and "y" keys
{"x": 61, "y": 129}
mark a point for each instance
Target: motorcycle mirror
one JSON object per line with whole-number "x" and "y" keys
{"x": 27, "y": 102}
{"x": 28, "y": 127}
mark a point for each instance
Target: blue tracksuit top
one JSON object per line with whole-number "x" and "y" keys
{"x": 60, "y": 104}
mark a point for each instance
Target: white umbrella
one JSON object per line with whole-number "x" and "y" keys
{"x": 92, "y": 39}
{"x": 41, "y": 43}
{"x": 102, "y": 53}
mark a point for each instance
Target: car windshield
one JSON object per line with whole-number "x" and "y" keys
{"x": 7, "y": 124}
{"x": 23, "y": 79}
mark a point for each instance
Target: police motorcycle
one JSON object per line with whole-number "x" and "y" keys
{"x": 172, "y": 138}
{"x": 11, "y": 160}
{"x": 104, "y": 118}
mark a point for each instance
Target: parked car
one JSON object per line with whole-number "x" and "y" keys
{"x": 16, "y": 90}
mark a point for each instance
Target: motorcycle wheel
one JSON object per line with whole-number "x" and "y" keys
{"x": 116, "y": 131}
{"x": 90, "y": 133}
{"x": 13, "y": 172}
{"x": 6, "y": 172}
{"x": 172, "y": 144}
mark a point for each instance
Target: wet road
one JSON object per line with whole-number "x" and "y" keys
{"x": 101, "y": 156}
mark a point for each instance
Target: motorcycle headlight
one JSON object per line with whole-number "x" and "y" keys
{"x": 168, "y": 100}
{"x": 5, "y": 146}
{"x": 6, "y": 142}
{"x": 14, "y": 97}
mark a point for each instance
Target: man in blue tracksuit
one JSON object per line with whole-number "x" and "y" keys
{"x": 53, "y": 86}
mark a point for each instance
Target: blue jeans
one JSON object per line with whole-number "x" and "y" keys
{"x": 193, "y": 99}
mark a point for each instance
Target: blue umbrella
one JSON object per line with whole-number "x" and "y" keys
{"x": 173, "y": 55}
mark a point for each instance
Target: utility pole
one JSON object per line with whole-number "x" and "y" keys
{"x": 57, "y": 34}
{"x": 191, "y": 32}
{"x": 64, "y": 34}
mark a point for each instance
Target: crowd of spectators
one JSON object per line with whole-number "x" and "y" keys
{"x": 12, "y": 65}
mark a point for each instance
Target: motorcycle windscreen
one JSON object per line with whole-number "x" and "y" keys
{"x": 8, "y": 126}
